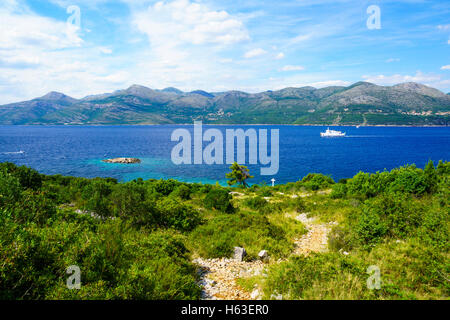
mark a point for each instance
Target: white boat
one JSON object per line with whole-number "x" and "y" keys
{"x": 332, "y": 133}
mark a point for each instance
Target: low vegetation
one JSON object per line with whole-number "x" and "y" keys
{"x": 137, "y": 240}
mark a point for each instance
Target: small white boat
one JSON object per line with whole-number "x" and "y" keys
{"x": 332, "y": 133}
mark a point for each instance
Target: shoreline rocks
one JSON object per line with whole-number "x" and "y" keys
{"x": 123, "y": 160}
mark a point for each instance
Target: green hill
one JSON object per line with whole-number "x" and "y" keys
{"x": 361, "y": 103}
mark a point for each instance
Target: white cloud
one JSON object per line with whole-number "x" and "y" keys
{"x": 187, "y": 41}
{"x": 444, "y": 27}
{"x": 26, "y": 30}
{"x": 399, "y": 78}
{"x": 293, "y": 68}
{"x": 255, "y": 53}
{"x": 18, "y": 61}
{"x": 390, "y": 60}
{"x": 39, "y": 54}
{"x": 280, "y": 56}
{"x": 182, "y": 21}
{"x": 323, "y": 84}
{"x": 432, "y": 80}
{"x": 301, "y": 38}
{"x": 105, "y": 50}
{"x": 447, "y": 67}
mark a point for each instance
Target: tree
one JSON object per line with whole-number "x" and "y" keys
{"x": 431, "y": 177}
{"x": 239, "y": 174}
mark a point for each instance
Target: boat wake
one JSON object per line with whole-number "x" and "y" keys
{"x": 16, "y": 152}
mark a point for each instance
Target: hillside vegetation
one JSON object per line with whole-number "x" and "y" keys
{"x": 361, "y": 103}
{"x": 137, "y": 240}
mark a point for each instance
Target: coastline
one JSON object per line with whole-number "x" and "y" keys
{"x": 224, "y": 124}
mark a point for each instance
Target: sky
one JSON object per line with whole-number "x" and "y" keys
{"x": 89, "y": 47}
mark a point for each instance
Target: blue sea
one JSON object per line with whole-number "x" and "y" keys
{"x": 79, "y": 151}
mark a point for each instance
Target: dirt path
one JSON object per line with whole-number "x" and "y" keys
{"x": 316, "y": 240}
{"x": 218, "y": 276}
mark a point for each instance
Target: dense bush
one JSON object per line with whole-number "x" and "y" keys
{"x": 165, "y": 187}
{"x": 96, "y": 197}
{"x": 316, "y": 181}
{"x": 370, "y": 228}
{"x": 339, "y": 191}
{"x": 255, "y": 203}
{"x": 408, "y": 179}
{"x": 183, "y": 192}
{"x": 10, "y": 189}
{"x": 28, "y": 178}
{"x": 174, "y": 214}
{"x": 219, "y": 199}
{"x": 130, "y": 201}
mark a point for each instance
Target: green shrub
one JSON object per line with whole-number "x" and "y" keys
{"x": 299, "y": 205}
{"x": 183, "y": 192}
{"x": 165, "y": 187}
{"x": 10, "y": 189}
{"x": 219, "y": 199}
{"x": 316, "y": 181}
{"x": 130, "y": 202}
{"x": 401, "y": 213}
{"x": 341, "y": 238}
{"x": 370, "y": 229}
{"x": 174, "y": 214}
{"x": 435, "y": 229}
{"x": 359, "y": 185}
{"x": 256, "y": 203}
{"x": 28, "y": 178}
{"x": 35, "y": 208}
{"x": 443, "y": 168}
{"x": 96, "y": 197}
{"x": 408, "y": 179}
{"x": 431, "y": 177}
{"x": 264, "y": 191}
{"x": 339, "y": 191}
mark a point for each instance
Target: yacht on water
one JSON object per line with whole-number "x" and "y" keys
{"x": 332, "y": 133}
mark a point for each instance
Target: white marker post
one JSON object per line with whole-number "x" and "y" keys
{"x": 273, "y": 182}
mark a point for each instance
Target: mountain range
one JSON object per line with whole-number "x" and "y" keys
{"x": 362, "y": 103}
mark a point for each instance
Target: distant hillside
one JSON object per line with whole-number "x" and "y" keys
{"x": 361, "y": 103}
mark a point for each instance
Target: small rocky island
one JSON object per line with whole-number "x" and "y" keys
{"x": 123, "y": 160}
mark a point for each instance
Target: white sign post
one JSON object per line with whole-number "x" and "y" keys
{"x": 273, "y": 182}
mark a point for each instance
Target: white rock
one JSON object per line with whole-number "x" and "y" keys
{"x": 263, "y": 255}
{"x": 276, "y": 296}
{"x": 239, "y": 253}
{"x": 255, "y": 294}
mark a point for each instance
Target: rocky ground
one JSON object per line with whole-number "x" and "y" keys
{"x": 218, "y": 276}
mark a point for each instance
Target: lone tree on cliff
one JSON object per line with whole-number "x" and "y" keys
{"x": 239, "y": 174}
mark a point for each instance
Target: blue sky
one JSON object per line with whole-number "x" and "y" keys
{"x": 218, "y": 45}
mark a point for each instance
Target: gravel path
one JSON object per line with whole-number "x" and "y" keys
{"x": 316, "y": 240}
{"x": 218, "y": 276}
